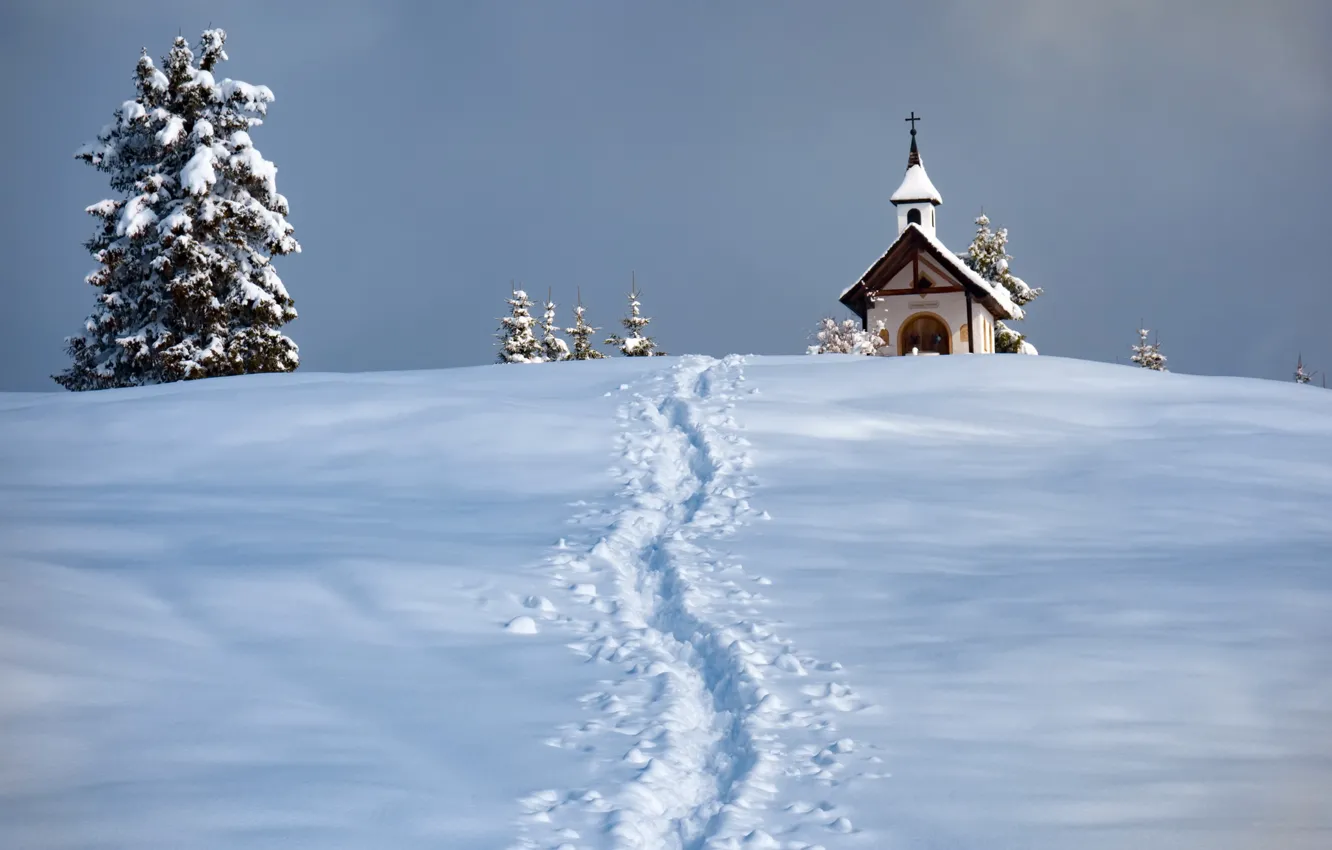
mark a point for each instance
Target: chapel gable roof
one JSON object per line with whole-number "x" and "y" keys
{"x": 914, "y": 239}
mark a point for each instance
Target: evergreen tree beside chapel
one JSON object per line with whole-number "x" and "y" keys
{"x": 186, "y": 285}
{"x": 988, "y": 256}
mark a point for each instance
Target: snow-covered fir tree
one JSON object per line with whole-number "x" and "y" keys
{"x": 634, "y": 343}
{"x": 581, "y": 334}
{"x": 1301, "y": 375}
{"x": 845, "y": 337}
{"x": 517, "y": 341}
{"x": 988, "y": 256}
{"x": 552, "y": 347}
{"x": 186, "y": 286}
{"x": 1009, "y": 341}
{"x": 1148, "y": 354}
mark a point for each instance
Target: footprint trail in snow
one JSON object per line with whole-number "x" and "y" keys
{"x": 712, "y": 731}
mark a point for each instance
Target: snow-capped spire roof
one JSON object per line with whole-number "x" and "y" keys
{"x": 916, "y": 186}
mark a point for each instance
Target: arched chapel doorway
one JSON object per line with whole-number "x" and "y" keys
{"x": 925, "y": 332}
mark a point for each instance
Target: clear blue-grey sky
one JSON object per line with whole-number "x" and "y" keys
{"x": 1163, "y": 161}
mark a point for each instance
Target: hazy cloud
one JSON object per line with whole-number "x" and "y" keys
{"x": 1273, "y": 54}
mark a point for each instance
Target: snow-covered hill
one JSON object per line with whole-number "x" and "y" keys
{"x": 950, "y": 602}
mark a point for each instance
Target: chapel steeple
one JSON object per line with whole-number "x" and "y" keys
{"x": 920, "y": 298}
{"x": 916, "y": 198}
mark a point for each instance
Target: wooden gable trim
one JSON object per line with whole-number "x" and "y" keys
{"x": 946, "y": 275}
{"x": 894, "y": 260}
{"x": 921, "y": 292}
{"x": 885, "y": 270}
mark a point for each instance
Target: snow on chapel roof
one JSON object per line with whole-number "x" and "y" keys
{"x": 916, "y": 185}
{"x": 996, "y": 297}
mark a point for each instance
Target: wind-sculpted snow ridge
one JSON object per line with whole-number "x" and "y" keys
{"x": 687, "y": 744}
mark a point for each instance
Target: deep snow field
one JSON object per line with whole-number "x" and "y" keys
{"x": 670, "y": 604}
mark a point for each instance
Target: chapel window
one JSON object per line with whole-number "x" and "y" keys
{"x": 913, "y": 216}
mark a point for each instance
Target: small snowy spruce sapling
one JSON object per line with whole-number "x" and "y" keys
{"x": 580, "y": 333}
{"x": 186, "y": 285}
{"x": 634, "y": 344}
{"x": 517, "y": 342}
{"x": 1148, "y": 355}
{"x": 845, "y": 337}
{"x": 1301, "y": 375}
{"x": 552, "y": 347}
{"x": 988, "y": 256}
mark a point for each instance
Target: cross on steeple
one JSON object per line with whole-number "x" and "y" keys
{"x": 914, "y": 157}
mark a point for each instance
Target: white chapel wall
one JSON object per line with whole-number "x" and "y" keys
{"x": 894, "y": 310}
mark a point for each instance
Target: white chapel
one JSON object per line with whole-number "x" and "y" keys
{"x": 927, "y": 299}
